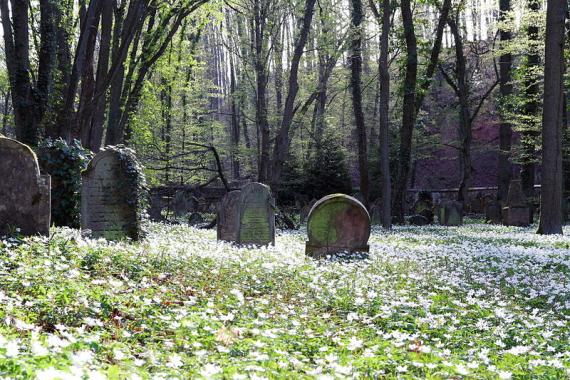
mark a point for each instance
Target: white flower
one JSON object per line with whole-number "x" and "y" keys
{"x": 518, "y": 350}
{"x": 210, "y": 370}
{"x": 505, "y": 375}
{"x": 354, "y": 344}
{"x": 12, "y": 349}
{"x": 118, "y": 354}
{"x": 175, "y": 361}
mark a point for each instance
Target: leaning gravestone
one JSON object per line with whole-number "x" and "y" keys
{"x": 450, "y": 213}
{"x": 337, "y": 223}
{"x": 247, "y": 216}
{"x": 25, "y": 195}
{"x": 111, "y": 195}
{"x": 227, "y": 223}
{"x": 517, "y": 212}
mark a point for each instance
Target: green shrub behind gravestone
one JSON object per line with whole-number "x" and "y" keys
{"x": 64, "y": 162}
{"x": 326, "y": 171}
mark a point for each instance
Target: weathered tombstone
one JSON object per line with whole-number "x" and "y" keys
{"x": 25, "y": 198}
{"x": 304, "y": 214}
{"x": 493, "y": 212}
{"x": 418, "y": 220}
{"x": 247, "y": 216}
{"x": 451, "y": 213}
{"x": 337, "y": 223}
{"x": 376, "y": 215}
{"x": 228, "y": 222}
{"x": 111, "y": 195}
{"x": 157, "y": 204}
{"x": 183, "y": 203}
{"x": 517, "y": 212}
{"x": 256, "y": 215}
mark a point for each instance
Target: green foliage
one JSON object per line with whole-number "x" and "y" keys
{"x": 327, "y": 172}
{"x": 64, "y": 163}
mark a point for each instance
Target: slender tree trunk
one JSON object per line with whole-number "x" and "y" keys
{"x": 531, "y": 133}
{"x": 408, "y": 111}
{"x": 357, "y": 16}
{"x": 551, "y": 191}
{"x": 282, "y": 140}
{"x": 506, "y": 88}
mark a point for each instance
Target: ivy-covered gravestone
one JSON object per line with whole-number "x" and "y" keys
{"x": 247, "y": 216}
{"x": 337, "y": 223}
{"x": 113, "y": 194}
{"x": 24, "y": 194}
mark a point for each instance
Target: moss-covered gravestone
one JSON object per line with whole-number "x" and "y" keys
{"x": 112, "y": 195}
{"x": 25, "y": 200}
{"x": 256, "y": 215}
{"x": 247, "y": 216}
{"x": 450, "y": 213}
{"x": 337, "y": 223}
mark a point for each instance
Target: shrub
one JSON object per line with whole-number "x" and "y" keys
{"x": 64, "y": 162}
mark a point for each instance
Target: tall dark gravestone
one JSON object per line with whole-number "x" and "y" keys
{"x": 247, "y": 216}
{"x": 337, "y": 223}
{"x": 25, "y": 195}
{"x": 111, "y": 195}
{"x": 227, "y": 223}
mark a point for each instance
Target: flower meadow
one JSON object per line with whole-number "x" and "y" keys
{"x": 475, "y": 302}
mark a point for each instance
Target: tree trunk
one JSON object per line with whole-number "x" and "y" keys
{"x": 357, "y": 16}
{"x": 506, "y": 88}
{"x": 408, "y": 111}
{"x": 531, "y": 133}
{"x": 282, "y": 140}
{"x": 551, "y": 191}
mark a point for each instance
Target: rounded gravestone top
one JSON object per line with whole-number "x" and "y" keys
{"x": 338, "y": 222}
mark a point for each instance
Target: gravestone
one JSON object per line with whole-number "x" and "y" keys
{"x": 228, "y": 222}
{"x": 376, "y": 215}
{"x": 450, "y": 213}
{"x": 493, "y": 212}
{"x": 247, "y": 216}
{"x": 337, "y": 223}
{"x": 256, "y": 215}
{"x": 517, "y": 212}
{"x": 25, "y": 194}
{"x": 111, "y": 195}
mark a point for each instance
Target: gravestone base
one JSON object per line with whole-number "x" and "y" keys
{"x": 317, "y": 251}
{"x": 516, "y": 216}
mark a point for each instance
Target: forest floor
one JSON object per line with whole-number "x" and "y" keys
{"x": 476, "y": 301}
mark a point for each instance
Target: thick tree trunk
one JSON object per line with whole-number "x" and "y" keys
{"x": 408, "y": 112}
{"x": 16, "y": 44}
{"x": 551, "y": 191}
{"x": 506, "y": 88}
{"x": 357, "y": 17}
